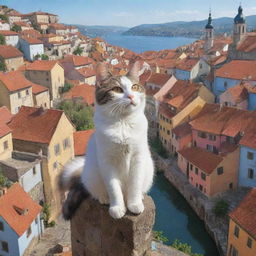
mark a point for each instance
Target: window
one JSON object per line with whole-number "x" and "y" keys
{"x": 34, "y": 170}
{"x": 212, "y": 137}
{"x": 29, "y": 231}
{"x": 220, "y": 170}
{"x": 1, "y": 226}
{"x": 36, "y": 220}
{"x": 209, "y": 147}
{"x": 250, "y": 155}
{"x": 249, "y": 242}
{"x": 203, "y": 176}
{"x": 5, "y": 145}
{"x": 194, "y": 143}
{"x": 191, "y": 167}
{"x": 57, "y": 149}
{"x": 250, "y": 173}
{"x": 230, "y": 140}
{"x": 201, "y": 66}
{"x": 27, "y": 92}
{"x": 55, "y": 165}
{"x": 5, "y": 246}
{"x": 225, "y": 85}
{"x": 201, "y": 187}
{"x": 236, "y": 231}
{"x": 233, "y": 251}
{"x": 19, "y": 95}
{"x": 66, "y": 143}
{"x": 202, "y": 135}
{"x": 168, "y": 132}
{"x": 196, "y": 171}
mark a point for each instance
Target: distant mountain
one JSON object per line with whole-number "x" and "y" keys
{"x": 188, "y": 29}
{"x": 94, "y": 31}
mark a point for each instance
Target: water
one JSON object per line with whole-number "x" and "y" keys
{"x": 174, "y": 216}
{"x": 177, "y": 220}
{"x": 140, "y": 44}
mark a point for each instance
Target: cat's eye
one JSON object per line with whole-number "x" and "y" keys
{"x": 136, "y": 87}
{"x": 117, "y": 89}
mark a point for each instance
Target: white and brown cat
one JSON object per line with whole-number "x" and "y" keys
{"x": 118, "y": 169}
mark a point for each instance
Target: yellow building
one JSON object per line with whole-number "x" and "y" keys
{"x": 242, "y": 229}
{"x": 41, "y": 96}
{"x": 15, "y": 91}
{"x": 11, "y": 57}
{"x": 181, "y": 103}
{"x": 50, "y": 134}
{"x": 5, "y": 142}
{"x": 48, "y": 73}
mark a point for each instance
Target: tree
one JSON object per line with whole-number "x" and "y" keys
{"x": 220, "y": 208}
{"x": 184, "y": 247}
{"x": 78, "y": 51}
{"x": 16, "y": 28}
{"x": 3, "y": 17}
{"x": 2, "y": 66}
{"x": 41, "y": 57}
{"x": 159, "y": 236}
{"x": 4, "y": 182}
{"x": 80, "y": 114}
{"x": 2, "y": 40}
{"x": 158, "y": 147}
{"x": 67, "y": 87}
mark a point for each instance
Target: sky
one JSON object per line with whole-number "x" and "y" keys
{"x": 130, "y": 13}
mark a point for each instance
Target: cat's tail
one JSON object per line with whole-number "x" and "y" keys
{"x": 70, "y": 179}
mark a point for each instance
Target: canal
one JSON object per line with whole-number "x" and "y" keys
{"x": 177, "y": 220}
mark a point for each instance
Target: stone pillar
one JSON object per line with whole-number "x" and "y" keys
{"x": 95, "y": 233}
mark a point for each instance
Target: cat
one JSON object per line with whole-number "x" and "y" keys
{"x": 118, "y": 169}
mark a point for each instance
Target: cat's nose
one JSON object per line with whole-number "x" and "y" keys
{"x": 130, "y": 96}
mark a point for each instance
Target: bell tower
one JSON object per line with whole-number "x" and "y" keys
{"x": 209, "y": 37}
{"x": 239, "y": 26}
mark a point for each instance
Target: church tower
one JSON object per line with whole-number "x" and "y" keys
{"x": 209, "y": 37}
{"x": 239, "y": 26}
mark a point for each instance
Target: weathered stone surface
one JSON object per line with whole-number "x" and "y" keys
{"x": 95, "y": 232}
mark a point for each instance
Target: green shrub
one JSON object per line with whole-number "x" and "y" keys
{"x": 159, "y": 236}
{"x": 220, "y": 208}
{"x": 157, "y": 146}
{"x": 67, "y": 87}
{"x": 16, "y": 28}
{"x": 184, "y": 247}
{"x": 2, "y": 40}
{"x": 3, "y": 17}
{"x": 78, "y": 51}
{"x": 4, "y": 182}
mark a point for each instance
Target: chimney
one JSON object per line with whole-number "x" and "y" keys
{"x": 95, "y": 233}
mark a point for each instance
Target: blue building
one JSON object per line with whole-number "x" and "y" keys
{"x": 20, "y": 222}
{"x": 247, "y": 170}
{"x": 252, "y": 98}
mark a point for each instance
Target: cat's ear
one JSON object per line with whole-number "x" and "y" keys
{"x": 102, "y": 73}
{"x": 134, "y": 72}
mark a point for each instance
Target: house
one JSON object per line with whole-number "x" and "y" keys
{"x": 5, "y": 115}
{"x": 25, "y": 168}
{"x": 58, "y": 29}
{"x": 247, "y": 168}
{"x": 11, "y": 37}
{"x": 15, "y": 91}
{"x": 4, "y": 25}
{"x": 41, "y": 96}
{"x": 41, "y": 17}
{"x": 233, "y": 73}
{"x": 11, "y": 57}
{"x": 212, "y": 163}
{"x": 83, "y": 75}
{"x": 251, "y": 90}
{"x": 31, "y": 47}
{"x": 48, "y": 73}
{"x": 14, "y": 16}
{"x": 23, "y": 25}
{"x": 83, "y": 92}
{"x": 180, "y": 104}
{"x": 50, "y": 134}
{"x": 242, "y": 231}
{"x": 6, "y": 146}
{"x": 81, "y": 139}
{"x": 191, "y": 68}
{"x": 20, "y": 223}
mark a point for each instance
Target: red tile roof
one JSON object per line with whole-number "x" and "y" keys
{"x": 41, "y": 65}
{"x": 4, "y": 130}
{"x": 222, "y": 120}
{"x": 248, "y": 44}
{"x": 32, "y": 40}
{"x": 182, "y": 130}
{"x": 187, "y": 64}
{"x": 14, "y": 80}
{"x": 8, "y": 52}
{"x": 30, "y": 33}
{"x": 238, "y": 93}
{"x": 81, "y": 139}
{"x": 83, "y": 91}
{"x": 5, "y": 115}
{"x": 37, "y": 88}
{"x": 58, "y": 26}
{"x": 35, "y": 124}
{"x": 238, "y": 69}
{"x": 15, "y": 200}
{"x": 77, "y": 60}
{"x": 86, "y": 72}
{"x": 245, "y": 213}
{"x": 204, "y": 160}
{"x": 8, "y": 33}
{"x": 249, "y": 138}
{"x": 159, "y": 79}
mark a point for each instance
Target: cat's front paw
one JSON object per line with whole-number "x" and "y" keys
{"x": 136, "y": 208}
{"x": 117, "y": 212}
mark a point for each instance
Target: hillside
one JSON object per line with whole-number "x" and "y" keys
{"x": 187, "y": 29}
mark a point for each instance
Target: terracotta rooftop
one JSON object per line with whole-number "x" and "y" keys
{"x": 248, "y": 44}
{"x": 5, "y": 115}
{"x": 86, "y": 72}
{"x": 37, "y": 88}
{"x": 30, "y": 33}
{"x": 249, "y": 138}
{"x": 41, "y": 65}
{"x": 245, "y": 213}
{"x": 201, "y": 158}
{"x": 4, "y": 130}
{"x": 238, "y": 93}
{"x": 187, "y": 64}
{"x": 81, "y": 139}
{"x": 14, "y": 81}
{"x": 8, "y": 33}
{"x": 182, "y": 130}
{"x": 22, "y": 24}
{"x": 83, "y": 91}
{"x": 35, "y": 124}
{"x": 159, "y": 79}
{"x": 77, "y": 60}
{"x": 8, "y": 52}
{"x": 238, "y": 69}
{"x": 58, "y": 26}
{"x": 222, "y": 120}
{"x": 32, "y": 40}
{"x": 18, "y": 209}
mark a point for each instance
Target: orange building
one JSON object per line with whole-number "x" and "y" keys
{"x": 242, "y": 227}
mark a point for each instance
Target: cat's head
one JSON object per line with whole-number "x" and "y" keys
{"x": 119, "y": 95}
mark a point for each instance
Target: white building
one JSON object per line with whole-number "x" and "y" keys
{"x": 31, "y": 47}
{"x": 11, "y": 37}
